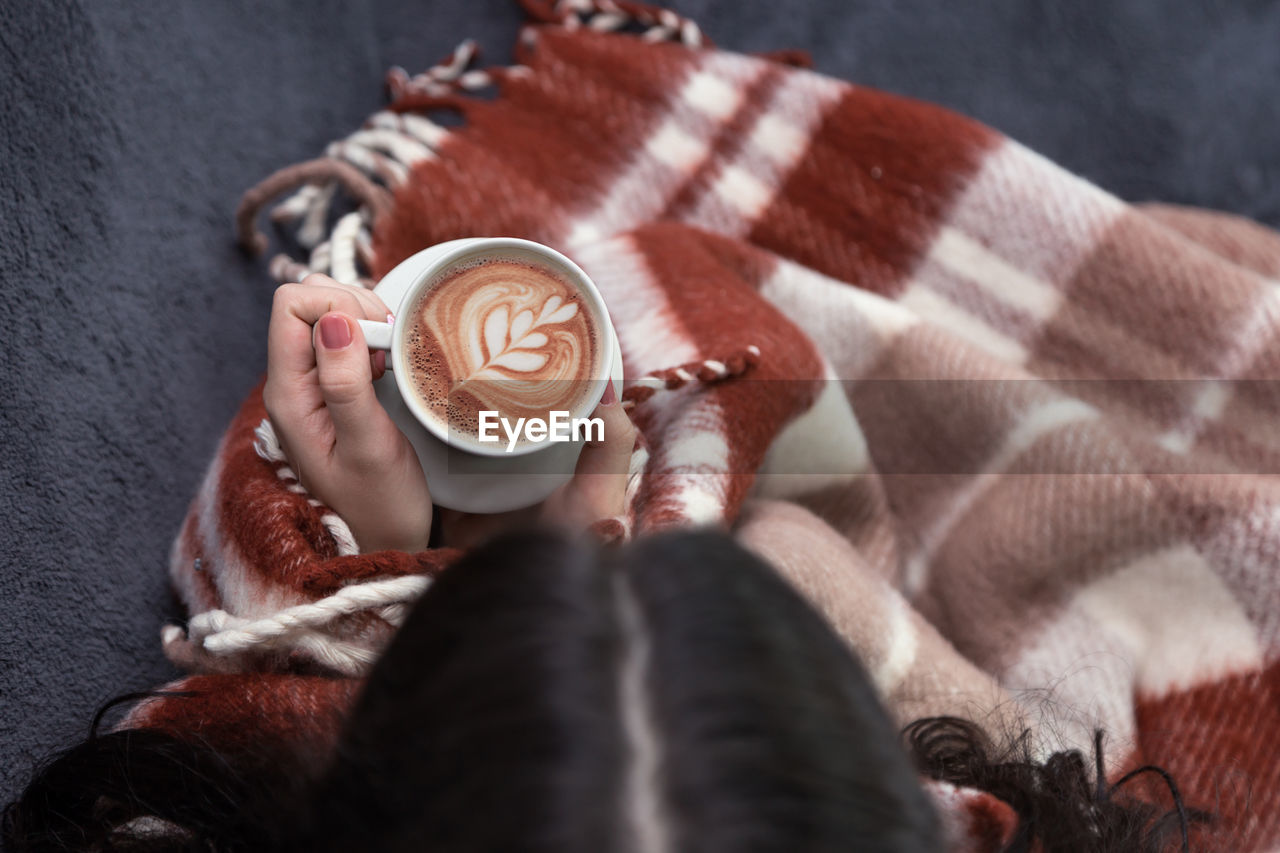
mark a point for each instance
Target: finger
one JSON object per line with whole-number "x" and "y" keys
{"x": 296, "y": 307}
{"x": 374, "y": 307}
{"x": 364, "y": 434}
{"x": 600, "y": 480}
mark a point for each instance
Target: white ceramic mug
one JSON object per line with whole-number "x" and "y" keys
{"x": 469, "y": 476}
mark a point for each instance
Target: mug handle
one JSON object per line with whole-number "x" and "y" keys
{"x": 376, "y": 335}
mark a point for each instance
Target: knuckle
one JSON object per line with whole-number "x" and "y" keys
{"x": 283, "y": 295}
{"x": 346, "y": 303}
{"x": 316, "y": 279}
{"x": 380, "y": 309}
{"x": 365, "y": 302}
{"x": 341, "y": 383}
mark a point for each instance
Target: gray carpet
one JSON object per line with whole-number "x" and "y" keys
{"x": 134, "y": 326}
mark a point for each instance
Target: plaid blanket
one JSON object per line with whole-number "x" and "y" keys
{"x": 1024, "y": 427}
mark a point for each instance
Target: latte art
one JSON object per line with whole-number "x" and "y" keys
{"x": 500, "y": 335}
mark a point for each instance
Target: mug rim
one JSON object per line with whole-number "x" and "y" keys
{"x": 474, "y": 245}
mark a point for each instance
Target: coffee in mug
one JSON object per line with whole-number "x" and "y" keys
{"x": 494, "y": 325}
{"x": 504, "y": 334}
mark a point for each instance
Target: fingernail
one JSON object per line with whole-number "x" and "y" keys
{"x": 610, "y": 395}
{"x": 334, "y": 331}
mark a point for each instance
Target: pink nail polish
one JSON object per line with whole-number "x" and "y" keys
{"x": 610, "y": 395}
{"x": 334, "y": 331}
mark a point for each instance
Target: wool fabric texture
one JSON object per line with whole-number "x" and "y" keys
{"x": 1011, "y": 435}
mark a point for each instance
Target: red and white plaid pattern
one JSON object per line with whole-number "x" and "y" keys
{"x": 1042, "y": 415}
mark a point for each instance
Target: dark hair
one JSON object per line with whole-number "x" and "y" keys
{"x": 674, "y": 694}
{"x": 550, "y": 696}
{"x": 1061, "y": 806}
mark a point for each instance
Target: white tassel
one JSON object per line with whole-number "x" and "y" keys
{"x": 303, "y": 628}
{"x": 343, "y": 249}
{"x": 320, "y": 258}
{"x": 312, "y": 230}
{"x": 266, "y": 443}
{"x": 399, "y": 146}
{"x": 341, "y": 533}
{"x": 296, "y": 205}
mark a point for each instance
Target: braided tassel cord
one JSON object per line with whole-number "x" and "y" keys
{"x": 708, "y": 371}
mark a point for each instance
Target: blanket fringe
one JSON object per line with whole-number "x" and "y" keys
{"x": 376, "y": 159}
{"x": 707, "y": 371}
{"x": 324, "y": 171}
{"x": 267, "y": 445}
{"x": 656, "y": 23}
{"x": 446, "y": 80}
{"x": 218, "y": 641}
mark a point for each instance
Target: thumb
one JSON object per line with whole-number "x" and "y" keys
{"x": 345, "y": 377}
{"x": 600, "y": 480}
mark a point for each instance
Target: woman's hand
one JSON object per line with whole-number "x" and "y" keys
{"x": 596, "y": 491}
{"x": 319, "y": 395}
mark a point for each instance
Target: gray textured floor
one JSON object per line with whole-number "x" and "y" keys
{"x": 134, "y": 325}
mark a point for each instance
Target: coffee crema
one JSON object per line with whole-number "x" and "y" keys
{"x": 501, "y": 335}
